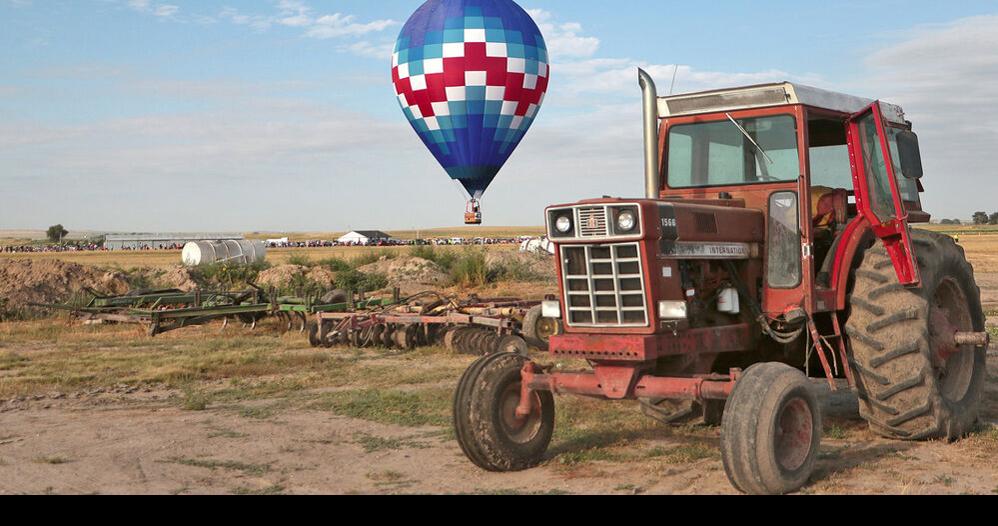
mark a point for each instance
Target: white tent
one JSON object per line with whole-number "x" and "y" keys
{"x": 363, "y": 237}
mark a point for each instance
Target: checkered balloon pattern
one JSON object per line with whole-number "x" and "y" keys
{"x": 471, "y": 76}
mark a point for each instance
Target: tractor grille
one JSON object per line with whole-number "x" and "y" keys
{"x": 604, "y": 286}
{"x": 592, "y": 222}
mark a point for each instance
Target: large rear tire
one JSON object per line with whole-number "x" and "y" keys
{"x": 771, "y": 431}
{"x": 485, "y": 421}
{"x": 912, "y": 384}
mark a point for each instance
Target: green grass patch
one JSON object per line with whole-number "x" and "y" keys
{"x": 226, "y": 276}
{"x": 587, "y": 456}
{"x": 374, "y": 444}
{"x": 390, "y": 479}
{"x": 509, "y": 492}
{"x": 230, "y": 465}
{"x": 358, "y": 281}
{"x": 194, "y": 399}
{"x": 945, "y": 480}
{"x": 443, "y": 258}
{"x": 685, "y": 454}
{"x": 836, "y": 432}
{"x": 471, "y": 269}
{"x": 371, "y": 257}
{"x": 219, "y": 432}
{"x": 335, "y": 264}
{"x": 269, "y": 490}
{"x": 301, "y": 260}
{"x": 53, "y": 460}
{"x": 10, "y": 360}
{"x": 430, "y": 407}
{"x": 260, "y": 413}
{"x": 583, "y": 424}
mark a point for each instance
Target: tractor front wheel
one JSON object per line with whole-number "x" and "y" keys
{"x": 771, "y": 431}
{"x": 488, "y": 429}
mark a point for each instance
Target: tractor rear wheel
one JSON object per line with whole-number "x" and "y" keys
{"x": 914, "y": 382}
{"x": 771, "y": 431}
{"x": 487, "y": 428}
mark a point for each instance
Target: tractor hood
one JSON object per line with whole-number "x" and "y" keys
{"x": 685, "y": 228}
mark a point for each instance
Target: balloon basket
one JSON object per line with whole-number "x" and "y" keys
{"x": 473, "y": 213}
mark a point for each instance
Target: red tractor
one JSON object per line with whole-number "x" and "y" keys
{"x": 773, "y": 241}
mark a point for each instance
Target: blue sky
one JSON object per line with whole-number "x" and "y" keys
{"x": 280, "y": 115}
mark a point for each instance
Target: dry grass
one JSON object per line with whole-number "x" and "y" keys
{"x": 203, "y": 364}
{"x": 169, "y": 258}
{"x": 982, "y": 251}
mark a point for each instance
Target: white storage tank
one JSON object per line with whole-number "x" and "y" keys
{"x": 242, "y": 252}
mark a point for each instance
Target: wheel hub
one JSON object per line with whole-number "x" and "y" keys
{"x": 794, "y": 434}
{"x": 951, "y": 324}
{"x": 519, "y": 429}
{"x": 546, "y": 328}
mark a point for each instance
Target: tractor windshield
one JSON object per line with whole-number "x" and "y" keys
{"x": 721, "y": 153}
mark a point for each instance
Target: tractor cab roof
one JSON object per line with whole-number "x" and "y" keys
{"x": 767, "y": 95}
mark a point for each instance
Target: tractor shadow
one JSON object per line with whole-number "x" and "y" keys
{"x": 861, "y": 449}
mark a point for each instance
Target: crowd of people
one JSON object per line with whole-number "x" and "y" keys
{"x": 94, "y": 247}
{"x": 399, "y": 243}
{"x": 65, "y": 247}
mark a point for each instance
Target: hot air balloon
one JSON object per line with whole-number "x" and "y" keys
{"x": 471, "y": 76}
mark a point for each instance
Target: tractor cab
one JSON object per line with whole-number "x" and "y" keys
{"x": 824, "y": 168}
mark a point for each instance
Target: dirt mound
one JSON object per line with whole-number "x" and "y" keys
{"x": 179, "y": 278}
{"x": 52, "y": 281}
{"x": 285, "y": 277}
{"x": 412, "y": 275}
{"x": 520, "y": 266}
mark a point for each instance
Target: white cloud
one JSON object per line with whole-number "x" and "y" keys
{"x": 339, "y": 25}
{"x": 149, "y": 7}
{"x": 166, "y": 10}
{"x": 299, "y": 15}
{"x": 364, "y": 48}
{"x": 946, "y": 78}
{"x": 564, "y": 39}
{"x": 292, "y": 14}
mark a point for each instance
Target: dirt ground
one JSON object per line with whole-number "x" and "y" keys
{"x": 228, "y": 419}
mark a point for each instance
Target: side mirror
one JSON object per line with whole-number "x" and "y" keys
{"x": 911, "y": 156}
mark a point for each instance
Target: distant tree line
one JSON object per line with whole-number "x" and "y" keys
{"x": 982, "y": 218}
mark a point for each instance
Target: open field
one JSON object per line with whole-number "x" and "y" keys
{"x": 106, "y": 410}
{"x": 207, "y": 410}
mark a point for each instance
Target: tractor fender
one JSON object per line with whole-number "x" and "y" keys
{"x": 850, "y": 245}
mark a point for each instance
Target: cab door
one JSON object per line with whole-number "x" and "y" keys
{"x": 878, "y": 194}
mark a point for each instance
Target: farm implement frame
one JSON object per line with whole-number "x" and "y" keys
{"x": 473, "y": 326}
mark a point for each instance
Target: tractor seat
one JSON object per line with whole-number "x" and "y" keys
{"x": 829, "y": 207}
{"x": 829, "y": 213}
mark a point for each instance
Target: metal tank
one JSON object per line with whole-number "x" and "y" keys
{"x": 241, "y": 252}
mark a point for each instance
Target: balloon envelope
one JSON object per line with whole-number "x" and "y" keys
{"x": 471, "y": 76}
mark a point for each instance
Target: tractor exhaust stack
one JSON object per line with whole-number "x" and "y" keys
{"x": 649, "y": 93}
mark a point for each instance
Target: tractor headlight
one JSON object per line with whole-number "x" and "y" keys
{"x": 672, "y": 310}
{"x": 626, "y": 221}
{"x": 563, "y": 224}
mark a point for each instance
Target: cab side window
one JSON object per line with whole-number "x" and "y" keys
{"x": 829, "y": 153}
